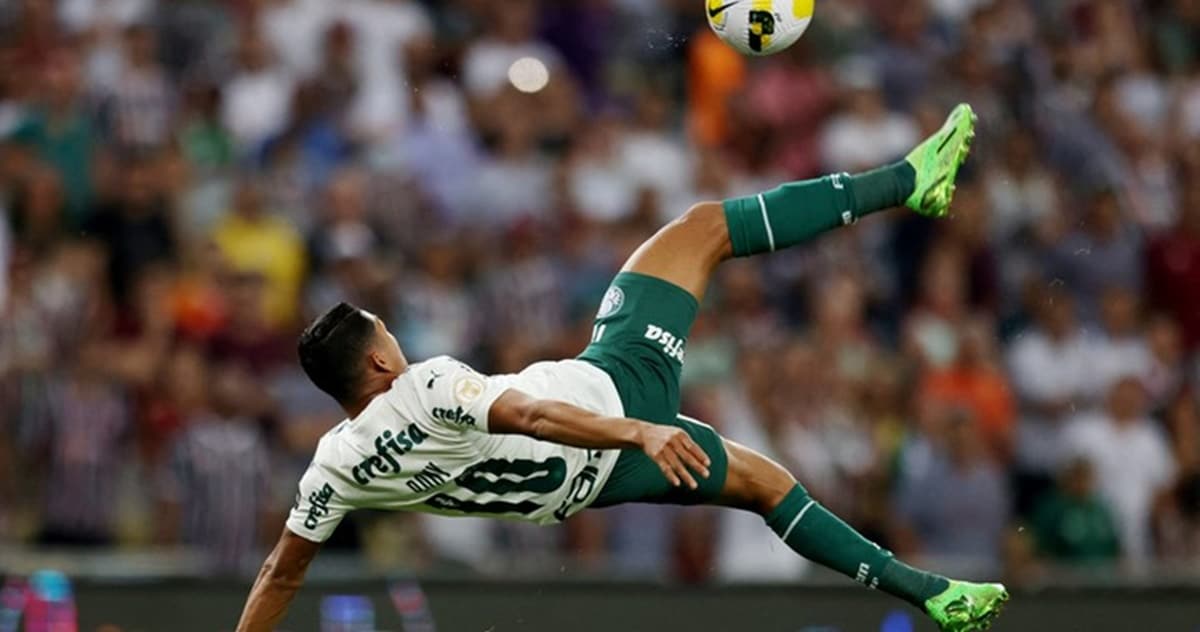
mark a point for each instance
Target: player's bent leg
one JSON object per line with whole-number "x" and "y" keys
{"x": 755, "y": 483}
{"x": 752, "y": 481}
{"x": 685, "y": 251}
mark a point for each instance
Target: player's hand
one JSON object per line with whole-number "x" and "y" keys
{"x": 676, "y": 454}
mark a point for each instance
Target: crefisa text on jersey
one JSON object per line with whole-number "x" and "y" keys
{"x": 318, "y": 505}
{"x": 672, "y": 345}
{"x": 455, "y": 415}
{"x": 387, "y": 448}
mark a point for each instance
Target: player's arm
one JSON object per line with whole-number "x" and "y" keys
{"x": 278, "y": 580}
{"x": 671, "y": 448}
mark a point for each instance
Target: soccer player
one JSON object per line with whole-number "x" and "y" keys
{"x": 603, "y": 428}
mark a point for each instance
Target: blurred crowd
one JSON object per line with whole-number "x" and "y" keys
{"x": 184, "y": 183}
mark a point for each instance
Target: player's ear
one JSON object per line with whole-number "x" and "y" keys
{"x": 379, "y": 361}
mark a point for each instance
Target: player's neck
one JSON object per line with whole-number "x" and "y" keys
{"x": 376, "y": 387}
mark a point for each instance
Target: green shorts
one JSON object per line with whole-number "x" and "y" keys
{"x": 638, "y": 339}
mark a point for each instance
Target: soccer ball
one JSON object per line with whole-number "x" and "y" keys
{"x": 759, "y": 27}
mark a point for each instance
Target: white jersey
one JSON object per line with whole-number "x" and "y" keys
{"x": 424, "y": 446}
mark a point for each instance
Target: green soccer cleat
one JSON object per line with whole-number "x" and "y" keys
{"x": 967, "y": 607}
{"x": 937, "y": 160}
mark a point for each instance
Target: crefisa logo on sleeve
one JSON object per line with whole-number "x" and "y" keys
{"x": 614, "y": 298}
{"x": 318, "y": 505}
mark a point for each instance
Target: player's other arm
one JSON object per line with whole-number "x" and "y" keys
{"x": 671, "y": 448}
{"x": 278, "y": 580}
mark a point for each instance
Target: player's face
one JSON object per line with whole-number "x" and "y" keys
{"x": 387, "y": 347}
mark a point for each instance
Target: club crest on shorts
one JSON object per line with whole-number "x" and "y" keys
{"x": 614, "y": 298}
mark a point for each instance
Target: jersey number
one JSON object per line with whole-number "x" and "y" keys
{"x": 503, "y": 476}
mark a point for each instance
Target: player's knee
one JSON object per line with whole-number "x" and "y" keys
{"x": 755, "y": 482}
{"x": 703, "y": 226}
{"x": 770, "y": 496}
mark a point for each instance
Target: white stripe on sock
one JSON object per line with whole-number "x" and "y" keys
{"x": 762, "y": 205}
{"x": 795, "y": 520}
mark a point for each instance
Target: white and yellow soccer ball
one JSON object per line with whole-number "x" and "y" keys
{"x": 759, "y": 27}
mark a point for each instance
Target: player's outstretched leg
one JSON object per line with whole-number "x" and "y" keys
{"x": 686, "y": 251}
{"x": 755, "y": 483}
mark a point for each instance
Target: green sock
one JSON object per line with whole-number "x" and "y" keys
{"x": 812, "y": 531}
{"x": 798, "y": 211}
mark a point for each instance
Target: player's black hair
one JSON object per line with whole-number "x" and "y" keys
{"x": 332, "y": 347}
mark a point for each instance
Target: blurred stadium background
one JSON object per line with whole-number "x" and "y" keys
{"x": 1011, "y": 393}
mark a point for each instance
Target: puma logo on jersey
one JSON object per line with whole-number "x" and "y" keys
{"x": 457, "y": 415}
{"x": 436, "y": 375}
{"x": 387, "y": 448}
{"x": 672, "y": 346}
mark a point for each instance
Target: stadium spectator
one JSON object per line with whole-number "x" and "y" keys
{"x": 313, "y": 144}
{"x": 1120, "y": 349}
{"x": 514, "y": 180}
{"x": 840, "y": 338}
{"x": 601, "y": 186}
{"x": 511, "y": 35}
{"x": 819, "y": 431}
{"x": 1072, "y": 524}
{"x": 176, "y": 395}
{"x": 215, "y": 486}
{"x": 954, "y": 506}
{"x": 934, "y": 326}
{"x": 253, "y": 241}
{"x": 141, "y": 334}
{"x": 1050, "y": 372}
{"x": 866, "y": 132}
{"x": 1106, "y": 251}
{"x": 910, "y": 50}
{"x": 383, "y": 30}
{"x": 85, "y": 426}
{"x": 295, "y": 29}
{"x": 141, "y": 102}
{"x": 135, "y": 224}
{"x": 37, "y": 210}
{"x": 60, "y": 131}
{"x": 248, "y": 338}
{"x": 1022, "y": 192}
{"x": 790, "y": 96}
{"x": 1173, "y": 268}
{"x": 206, "y": 144}
{"x": 437, "y": 147}
{"x": 975, "y": 383}
{"x": 1133, "y": 462}
{"x": 437, "y": 312}
{"x": 256, "y": 99}
{"x": 1181, "y": 529}
{"x": 1166, "y": 377}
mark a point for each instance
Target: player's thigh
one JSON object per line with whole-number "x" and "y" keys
{"x": 636, "y": 478}
{"x": 685, "y": 251}
{"x": 639, "y": 339}
{"x": 753, "y": 481}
